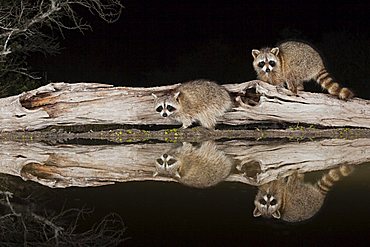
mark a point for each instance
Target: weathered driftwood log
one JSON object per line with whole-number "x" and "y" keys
{"x": 63, "y": 104}
{"x": 252, "y": 163}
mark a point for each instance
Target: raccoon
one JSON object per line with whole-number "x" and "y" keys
{"x": 198, "y": 167}
{"x": 199, "y": 100}
{"x": 292, "y": 200}
{"x": 294, "y": 63}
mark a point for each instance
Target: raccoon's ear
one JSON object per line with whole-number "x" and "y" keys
{"x": 256, "y": 212}
{"x": 275, "y": 51}
{"x": 276, "y": 214}
{"x": 154, "y": 96}
{"x": 176, "y": 95}
{"x": 255, "y": 53}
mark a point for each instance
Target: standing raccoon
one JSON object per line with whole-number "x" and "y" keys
{"x": 292, "y": 200}
{"x": 196, "y": 166}
{"x": 294, "y": 63}
{"x": 199, "y": 100}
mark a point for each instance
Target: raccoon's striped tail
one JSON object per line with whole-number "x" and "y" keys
{"x": 327, "y": 82}
{"x": 334, "y": 175}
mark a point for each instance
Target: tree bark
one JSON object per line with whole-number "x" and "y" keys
{"x": 63, "y": 104}
{"x": 252, "y": 163}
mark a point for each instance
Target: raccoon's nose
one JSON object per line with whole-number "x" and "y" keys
{"x": 165, "y": 156}
{"x": 164, "y": 115}
{"x": 267, "y": 70}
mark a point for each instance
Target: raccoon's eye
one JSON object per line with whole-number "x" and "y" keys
{"x": 273, "y": 202}
{"x": 272, "y": 63}
{"x": 160, "y": 161}
{"x": 170, "y": 108}
{"x": 159, "y": 108}
{"x": 261, "y": 64}
{"x": 171, "y": 162}
{"x": 262, "y": 201}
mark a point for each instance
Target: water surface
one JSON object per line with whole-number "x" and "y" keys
{"x": 165, "y": 210}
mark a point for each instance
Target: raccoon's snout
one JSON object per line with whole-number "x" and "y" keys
{"x": 267, "y": 70}
{"x": 164, "y": 114}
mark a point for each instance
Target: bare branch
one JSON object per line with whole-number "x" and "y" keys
{"x": 25, "y": 73}
{"x": 25, "y": 27}
{"x": 57, "y": 229}
{"x": 6, "y": 50}
{"x": 32, "y": 226}
{"x": 8, "y": 195}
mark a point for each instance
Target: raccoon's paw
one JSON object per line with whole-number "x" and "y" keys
{"x": 186, "y": 123}
{"x": 184, "y": 126}
{"x": 283, "y": 90}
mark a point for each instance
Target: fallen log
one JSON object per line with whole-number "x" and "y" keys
{"x": 63, "y": 104}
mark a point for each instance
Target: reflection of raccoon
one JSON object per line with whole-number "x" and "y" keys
{"x": 200, "y": 100}
{"x": 292, "y": 200}
{"x": 167, "y": 165}
{"x": 293, "y": 63}
{"x": 194, "y": 166}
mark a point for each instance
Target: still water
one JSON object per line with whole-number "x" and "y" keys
{"x": 234, "y": 193}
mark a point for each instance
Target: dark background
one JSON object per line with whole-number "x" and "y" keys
{"x": 171, "y": 214}
{"x": 165, "y": 42}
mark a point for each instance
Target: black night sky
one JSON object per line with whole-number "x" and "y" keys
{"x": 165, "y": 42}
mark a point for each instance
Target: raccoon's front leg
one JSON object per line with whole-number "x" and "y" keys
{"x": 282, "y": 90}
{"x": 300, "y": 86}
{"x": 207, "y": 119}
{"x": 208, "y": 123}
{"x": 292, "y": 87}
{"x": 186, "y": 122}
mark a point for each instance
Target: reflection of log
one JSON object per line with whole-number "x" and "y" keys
{"x": 74, "y": 165}
{"x": 77, "y": 165}
{"x": 65, "y": 104}
{"x": 277, "y": 160}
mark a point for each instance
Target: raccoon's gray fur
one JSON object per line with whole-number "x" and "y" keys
{"x": 196, "y": 166}
{"x": 291, "y": 199}
{"x": 201, "y": 100}
{"x": 294, "y": 63}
